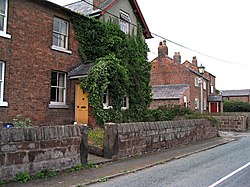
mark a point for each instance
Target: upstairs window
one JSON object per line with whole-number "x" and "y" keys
{"x": 125, "y": 22}
{"x": 204, "y": 85}
{"x": 58, "y": 88}
{"x": 60, "y": 33}
{"x": 3, "y": 18}
{"x": 212, "y": 89}
{"x": 125, "y": 103}
{"x": 196, "y": 81}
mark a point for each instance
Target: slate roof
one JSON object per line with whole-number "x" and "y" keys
{"x": 171, "y": 91}
{"x": 214, "y": 98}
{"x": 80, "y": 71}
{"x": 84, "y": 8}
{"x": 228, "y": 93}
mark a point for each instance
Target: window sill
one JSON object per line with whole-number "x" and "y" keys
{"x": 124, "y": 108}
{"x": 3, "y": 104}
{"x": 107, "y": 107}
{"x": 58, "y": 106}
{"x": 61, "y": 49}
{"x": 5, "y": 35}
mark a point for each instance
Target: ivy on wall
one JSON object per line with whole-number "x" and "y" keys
{"x": 120, "y": 65}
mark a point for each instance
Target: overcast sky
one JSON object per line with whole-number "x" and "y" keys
{"x": 217, "y": 28}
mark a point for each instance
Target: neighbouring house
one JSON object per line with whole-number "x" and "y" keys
{"x": 40, "y": 63}
{"x": 183, "y": 80}
{"x": 240, "y": 95}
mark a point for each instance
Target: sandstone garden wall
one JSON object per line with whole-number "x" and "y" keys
{"x": 233, "y": 123}
{"x": 38, "y": 148}
{"x": 132, "y": 139}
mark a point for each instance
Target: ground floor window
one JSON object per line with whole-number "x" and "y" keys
{"x": 196, "y": 103}
{"x": 58, "y": 88}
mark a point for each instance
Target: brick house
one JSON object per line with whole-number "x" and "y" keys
{"x": 38, "y": 62}
{"x": 240, "y": 95}
{"x": 170, "y": 72}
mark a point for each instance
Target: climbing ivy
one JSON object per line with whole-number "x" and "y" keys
{"x": 120, "y": 64}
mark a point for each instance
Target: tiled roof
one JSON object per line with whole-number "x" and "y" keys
{"x": 227, "y": 93}
{"x": 214, "y": 98}
{"x": 171, "y": 91}
{"x": 82, "y": 7}
{"x": 80, "y": 71}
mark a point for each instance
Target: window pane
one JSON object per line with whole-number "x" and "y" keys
{"x": 53, "y": 79}
{"x": 56, "y": 25}
{"x": 1, "y": 22}
{"x": 55, "y": 39}
{"x": 61, "y": 95}
{"x": 53, "y": 94}
{"x": 2, "y": 6}
{"x": 63, "y": 27}
{"x": 61, "y": 80}
{"x": 1, "y": 71}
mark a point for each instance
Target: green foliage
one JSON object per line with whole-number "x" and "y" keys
{"x": 79, "y": 167}
{"x": 22, "y": 177}
{"x": 96, "y": 137}
{"x": 3, "y": 182}
{"x": 236, "y": 106}
{"x": 19, "y": 121}
{"x": 197, "y": 115}
{"x": 120, "y": 65}
{"x": 45, "y": 174}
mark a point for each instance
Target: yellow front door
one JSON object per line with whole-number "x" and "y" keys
{"x": 81, "y": 106}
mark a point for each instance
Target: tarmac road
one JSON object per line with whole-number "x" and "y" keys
{"x": 227, "y": 165}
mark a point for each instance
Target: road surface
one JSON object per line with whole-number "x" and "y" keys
{"x": 223, "y": 166}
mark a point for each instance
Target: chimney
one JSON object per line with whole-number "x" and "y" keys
{"x": 177, "y": 58}
{"x": 194, "y": 61}
{"x": 162, "y": 49}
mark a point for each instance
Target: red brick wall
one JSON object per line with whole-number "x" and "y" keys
{"x": 165, "y": 71}
{"x": 239, "y": 98}
{"x": 30, "y": 60}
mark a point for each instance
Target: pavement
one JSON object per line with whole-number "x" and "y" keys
{"x": 107, "y": 169}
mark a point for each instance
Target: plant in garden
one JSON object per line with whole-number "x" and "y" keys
{"x": 121, "y": 66}
{"x": 22, "y": 177}
{"x": 20, "y": 121}
{"x": 96, "y": 137}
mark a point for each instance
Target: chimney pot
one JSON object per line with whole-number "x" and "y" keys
{"x": 177, "y": 58}
{"x": 163, "y": 50}
{"x": 194, "y": 61}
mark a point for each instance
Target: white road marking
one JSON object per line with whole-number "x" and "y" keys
{"x": 229, "y": 175}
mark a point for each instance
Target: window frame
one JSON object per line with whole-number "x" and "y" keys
{"x": 211, "y": 89}
{"x": 57, "y": 103}
{"x": 106, "y": 104}
{"x": 3, "y": 33}
{"x": 125, "y": 101}
{"x": 204, "y": 85}
{"x": 185, "y": 101}
{"x": 196, "y": 103}
{"x": 2, "y": 102}
{"x": 66, "y": 42}
{"x": 196, "y": 82}
{"x": 125, "y": 22}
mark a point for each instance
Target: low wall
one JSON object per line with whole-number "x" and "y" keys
{"x": 233, "y": 123}
{"x": 125, "y": 140}
{"x": 38, "y": 148}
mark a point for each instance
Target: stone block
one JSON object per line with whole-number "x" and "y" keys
{"x": 29, "y": 134}
{"x": 17, "y": 158}
{"x": 2, "y": 159}
{"x": 50, "y": 144}
{"x": 17, "y": 134}
{"x": 67, "y": 142}
{"x": 5, "y": 135}
{"x": 8, "y": 148}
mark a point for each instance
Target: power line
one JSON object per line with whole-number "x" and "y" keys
{"x": 164, "y": 38}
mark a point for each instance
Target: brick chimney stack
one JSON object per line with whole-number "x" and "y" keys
{"x": 162, "y": 49}
{"x": 177, "y": 58}
{"x": 194, "y": 61}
